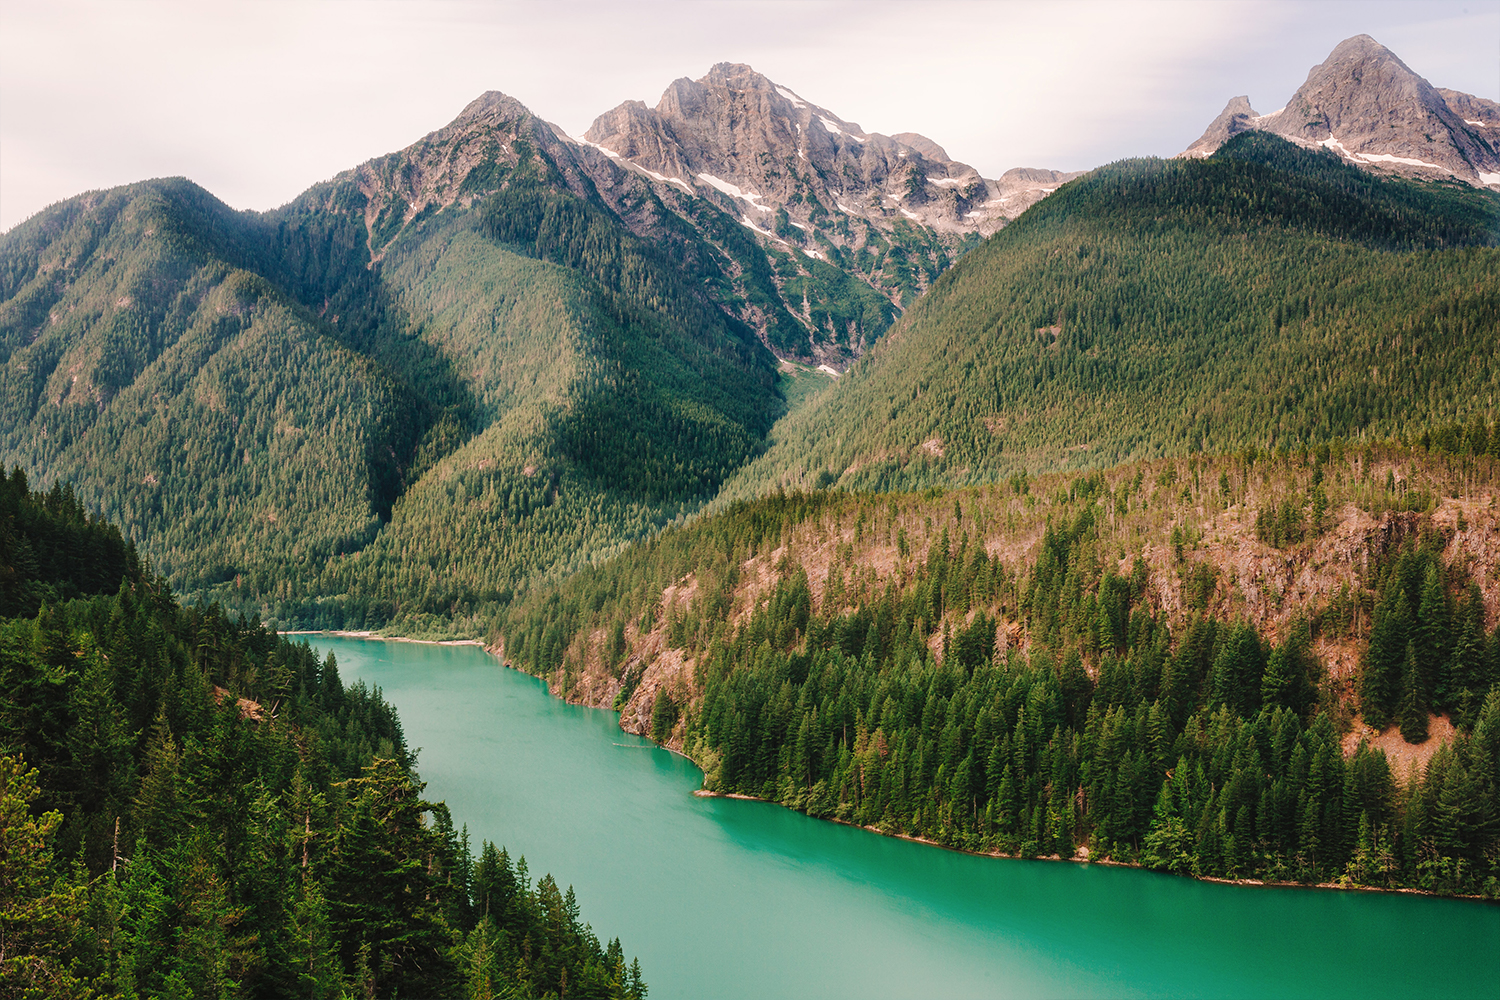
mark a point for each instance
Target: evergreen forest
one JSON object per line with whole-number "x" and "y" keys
{"x": 1113, "y": 665}
{"x": 353, "y": 413}
{"x": 1267, "y": 296}
{"x": 192, "y": 806}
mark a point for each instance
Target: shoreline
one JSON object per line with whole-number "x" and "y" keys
{"x": 340, "y": 634}
{"x": 1084, "y": 859}
{"x": 704, "y": 793}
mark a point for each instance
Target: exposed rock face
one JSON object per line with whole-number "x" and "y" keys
{"x": 1368, "y": 106}
{"x": 737, "y": 133}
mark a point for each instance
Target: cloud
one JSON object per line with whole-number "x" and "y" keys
{"x": 256, "y": 101}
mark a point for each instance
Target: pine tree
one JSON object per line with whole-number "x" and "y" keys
{"x": 1413, "y": 716}
{"x": 1385, "y": 659}
{"x": 39, "y": 912}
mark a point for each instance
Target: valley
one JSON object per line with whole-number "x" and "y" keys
{"x": 1145, "y": 517}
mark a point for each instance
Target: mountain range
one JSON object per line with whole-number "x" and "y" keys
{"x": 503, "y": 352}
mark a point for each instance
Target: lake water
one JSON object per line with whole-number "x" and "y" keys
{"x": 727, "y": 898}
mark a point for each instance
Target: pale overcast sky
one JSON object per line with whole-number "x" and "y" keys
{"x": 256, "y": 101}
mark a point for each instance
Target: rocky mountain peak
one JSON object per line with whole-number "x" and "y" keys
{"x": 1369, "y": 107}
{"x": 490, "y": 108}
{"x": 1238, "y": 116}
{"x": 761, "y": 149}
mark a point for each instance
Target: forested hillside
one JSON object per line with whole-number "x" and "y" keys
{"x": 1277, "y": 665}
{"x": 1267, "y": 297}
{"x": 192, "y": 806}
{"x": 342, "y": 412}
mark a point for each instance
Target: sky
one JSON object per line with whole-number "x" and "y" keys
{"x": 258, "y": 100}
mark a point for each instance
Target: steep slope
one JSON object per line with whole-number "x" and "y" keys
{"x": 1368, "y": 106}
{"x": 1268, "y": 296}
{"x": 837, "y": 210}
{"x": 262, "y": 395}
{"x": 146, "y": 361}
{"x": 221, "y": 787}
{"x": 1161, "y": 664}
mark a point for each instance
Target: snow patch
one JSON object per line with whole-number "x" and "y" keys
{"x": 745, "y": 221}
{"x": 733, "y": 190}
{"x": 1480, "y": 124}
{"x": 814, "y": 253}
{"x": 944, "y": 182}
{"x": 607, "y": 152}
{"x": 799, "y": 102}
{"x": 828, "y": 370}
{"x": 632, "y": 164}
{"x": 1338, "y": 147}
{"x": 833, "y": 127}
{"x": 911, "y": 215}
{"x": 663, "y": 177}
{"x": 1488, "y": 179}
{"x": 844, "y": 208}
{"x": 800, "y": 226}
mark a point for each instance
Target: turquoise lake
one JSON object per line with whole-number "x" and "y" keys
{"x": 728, "y": 898}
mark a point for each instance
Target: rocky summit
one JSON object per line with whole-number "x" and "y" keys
{"x": 813, "y": 232}
{"x": 1370, "y": 108}
{"x": 738, "y": 133}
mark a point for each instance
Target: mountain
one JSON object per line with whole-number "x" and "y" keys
{"x": 492, "y": 355}
{"x": 1368, "y": 106}
{"x": 455, "y": 353}
{"x": 890, "y": 212}
{"x": 845, "y": 228}
{"x": 1268, "y": 296}
{"x": 736, "y": 131}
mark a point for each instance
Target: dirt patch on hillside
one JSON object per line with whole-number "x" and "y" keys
{"x": 1401, "y": 754}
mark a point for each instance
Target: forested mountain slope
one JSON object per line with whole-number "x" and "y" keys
{"x": 1266, "y": 296}
{"x": 480, "y": 370}
{"x": 192, "y": 806}
{"x": 1275, "y": 666}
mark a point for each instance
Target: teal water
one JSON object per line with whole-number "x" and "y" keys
{"x": 726, "y": 898}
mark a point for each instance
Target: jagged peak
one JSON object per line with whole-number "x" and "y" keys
{"x": 1239, "y": 106}
{"x": 1238, "y": 116}
{"x": 740, "y": 75}
{"x": 1367, "y": 54}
